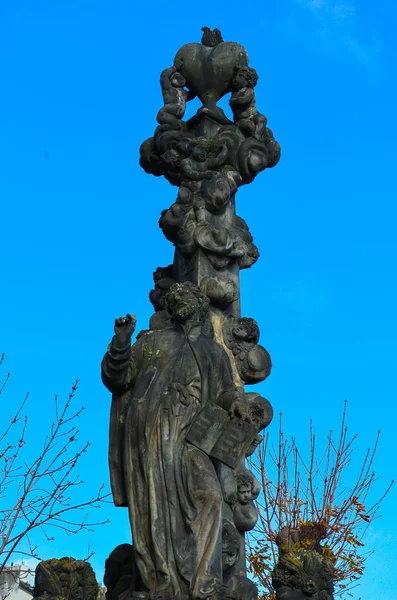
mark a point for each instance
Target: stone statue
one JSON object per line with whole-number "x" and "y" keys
{"x": 181, "y": 422}
{"x": 173, "y": 495}
{"x": 209, "y": 157}
{"x": 302, "y": 570}
{"x": 252, "y": 360}
{"x": 302, "y": 575}
{"x": 239, "y": 586}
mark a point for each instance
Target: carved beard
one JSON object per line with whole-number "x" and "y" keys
{"x": 183, "y": 312}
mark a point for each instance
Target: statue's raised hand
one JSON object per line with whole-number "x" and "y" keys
{"x": 124, "y": 327}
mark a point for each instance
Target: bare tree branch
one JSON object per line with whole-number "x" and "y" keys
{"x": 43, "y": 487}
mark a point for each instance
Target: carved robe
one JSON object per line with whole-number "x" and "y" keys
{"x": 170, "y": 487}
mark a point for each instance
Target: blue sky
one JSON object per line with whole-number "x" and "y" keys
{"x": 79, "y": 238}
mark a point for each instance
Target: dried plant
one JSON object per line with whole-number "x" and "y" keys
{"x": 37, "y": 495}
{"x": 300, "y": 493}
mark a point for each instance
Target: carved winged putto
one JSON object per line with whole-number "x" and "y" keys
{"x": 163, "y": 280}
{"x": 253, "y": 361}
{"x": 240, "y": 491}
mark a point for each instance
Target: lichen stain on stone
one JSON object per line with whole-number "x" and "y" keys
{"x": 217, "y": 320}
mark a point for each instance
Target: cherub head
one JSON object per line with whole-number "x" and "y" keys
{"x": 245, "y": 487}
{"x": 245, "y": 77}
{"x": 198, "y": 153}
{"x": 246, "y": 330}
{"x": 162, "y": 273}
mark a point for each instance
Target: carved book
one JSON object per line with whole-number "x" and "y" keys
{"x": 221, "y": 437}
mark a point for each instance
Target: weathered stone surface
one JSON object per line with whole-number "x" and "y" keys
{"x": 121, "y": 572}
{"x": 240, "y": 586}
{"x": 241, "y": 336}
{"x": 209, "y": 157}
{"x": 159, "y": 387}
{"x": 302, "y": 570}
{"x": 303, "y": 574}
{"x": 65, "y": 579}
{"x": 181, "y": 423}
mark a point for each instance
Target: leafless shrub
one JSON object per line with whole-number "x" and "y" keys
{"x": 312, "y": 492}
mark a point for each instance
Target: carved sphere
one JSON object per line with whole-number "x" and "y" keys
{"x": 259, "y": 364}
{"x": 220, "y": 290}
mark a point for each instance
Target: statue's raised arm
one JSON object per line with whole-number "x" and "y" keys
{"x": 118, "y": 365}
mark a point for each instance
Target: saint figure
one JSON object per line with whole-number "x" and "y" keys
{"x": 174, "y": 499}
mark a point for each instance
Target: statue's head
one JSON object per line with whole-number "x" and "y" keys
{"x": 185, "y": 301}
{"x": 245, "y": 77}
{"x": 246, "y": 330}
{"x": 245, "y": 487}
{"x": 199, "y": 153}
